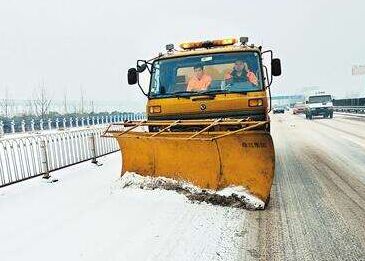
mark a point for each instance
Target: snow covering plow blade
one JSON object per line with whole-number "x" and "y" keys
{"x": 210, "y": 157}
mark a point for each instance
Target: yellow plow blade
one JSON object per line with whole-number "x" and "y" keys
{"x": 211, "y": 160}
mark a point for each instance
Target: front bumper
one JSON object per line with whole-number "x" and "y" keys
{"x": 258, "y": 115}
{"x": 321, "y": 111}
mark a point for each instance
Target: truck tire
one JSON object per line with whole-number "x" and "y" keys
{"x": 310, "y": 116}
{"x": 331, "y": 115}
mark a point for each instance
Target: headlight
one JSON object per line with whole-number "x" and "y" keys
{"x": 155, "y": 109}
{"x": 255, "y": 102}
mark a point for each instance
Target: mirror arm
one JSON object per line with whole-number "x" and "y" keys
{"x": 267, "y": 76}
{"x": 140, "y": 87}
{"x": 271, "y": 57}
{"x": 268, "y": 87}
{"x": 270, "y": 100}
{"x": 149, "y": 69}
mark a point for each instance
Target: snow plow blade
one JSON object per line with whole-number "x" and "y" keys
{"x": 210, "y": 160}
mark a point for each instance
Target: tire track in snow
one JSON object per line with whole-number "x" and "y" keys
{"x": 314, "y": 212}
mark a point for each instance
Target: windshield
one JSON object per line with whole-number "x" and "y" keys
{"x": 228, "y": 72}
{"x": 319, "y": 99}
{"x": 299, "y": 105}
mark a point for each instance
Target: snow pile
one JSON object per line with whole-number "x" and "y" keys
{"x": 235, "y": 196}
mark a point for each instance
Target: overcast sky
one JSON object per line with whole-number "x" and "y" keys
{"x": 68, "y": 44}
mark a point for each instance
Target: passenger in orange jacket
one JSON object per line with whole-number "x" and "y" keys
{"x": 200, "y": 80}
{"x": 241, "y": 73}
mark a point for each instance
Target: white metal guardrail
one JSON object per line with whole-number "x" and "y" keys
{"x": 11, "y": 126}
{"x": 30, "y": 156}
{"x": 350, "y": 109}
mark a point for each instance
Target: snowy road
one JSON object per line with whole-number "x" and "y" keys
{"x": 317, "y": 207}
{"x": 316, "y": 210}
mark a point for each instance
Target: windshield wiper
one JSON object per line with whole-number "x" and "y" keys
{"x": 214, "y": 91}
{"x": 184, "y": 94}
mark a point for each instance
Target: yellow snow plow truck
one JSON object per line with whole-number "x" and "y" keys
{"x": 207, "y": 117}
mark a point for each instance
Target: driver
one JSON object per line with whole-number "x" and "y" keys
{"x": 200, "y": 80}
{"x": 241, "y": 73}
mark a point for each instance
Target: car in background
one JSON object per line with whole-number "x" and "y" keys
{"x": 278, "y": 109}
{"x": 299, "y": 108}
{"x": 319, "y": 104}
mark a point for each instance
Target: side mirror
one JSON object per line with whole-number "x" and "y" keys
{"x": 141, "y": 68}
{"x": 276, "y": 67}
{"x": 132, "y": 76}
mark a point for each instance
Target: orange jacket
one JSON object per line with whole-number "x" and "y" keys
{"x": 202, "y": 84}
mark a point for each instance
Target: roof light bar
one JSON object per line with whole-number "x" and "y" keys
{"x": 208, "y": 44}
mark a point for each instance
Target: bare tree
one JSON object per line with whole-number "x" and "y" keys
{"x": 92, "y": 106}
{"x": 82, "y": 101}
{"x": 6, "y": 104}
{"x": 29, "y": 108}
{"x": 65, "y": 103}
{"x": 41, "y": 101}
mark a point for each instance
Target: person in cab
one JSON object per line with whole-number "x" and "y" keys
{"x": 200, "y": 81}
{"x": 241, "y": 73}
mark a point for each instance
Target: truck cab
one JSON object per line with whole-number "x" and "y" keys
{"x": 319, "y": 104}
{"x": 208, "y": 80}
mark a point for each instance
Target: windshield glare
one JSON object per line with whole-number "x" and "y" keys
{"x": 319, "y": 99}
{"x": 229, "y": 72}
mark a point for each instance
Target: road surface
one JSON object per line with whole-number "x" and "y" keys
{"x": 316, "y": 210}
{"x": 317, "y": 207}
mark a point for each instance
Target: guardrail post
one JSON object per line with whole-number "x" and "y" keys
{"x": 57, "y": 123}
{"x": 76, "y": 122}
{"x": 41, "y": 124}
{"x": 32, "y": 125}
{"x": 88, "y": 121}
{"x": 82, "y": 121}
{"x": 102, "y": 119}
{"x": 1, "y": 128}
{"x": 64, "y": 123}
{"x": 70, "y": 122}
{"x": 92, "y": 144}
{"x": 49, "y": 124}
{"x": 92, "y": 120}
{"x": 45, "y": 167}
{"x": 12, "y": 125}
{"x": 23, "y": 125}
{"x": 97, "y": 120}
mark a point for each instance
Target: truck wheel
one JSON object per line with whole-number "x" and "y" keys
{"x": 310, "y": 116}
{"x": 306, "y": 116}
{"x": 331, "y": 115}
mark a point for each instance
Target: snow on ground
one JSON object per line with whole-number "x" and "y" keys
{"x": 234, "y": 196}
{"x": 86, "y": 215}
